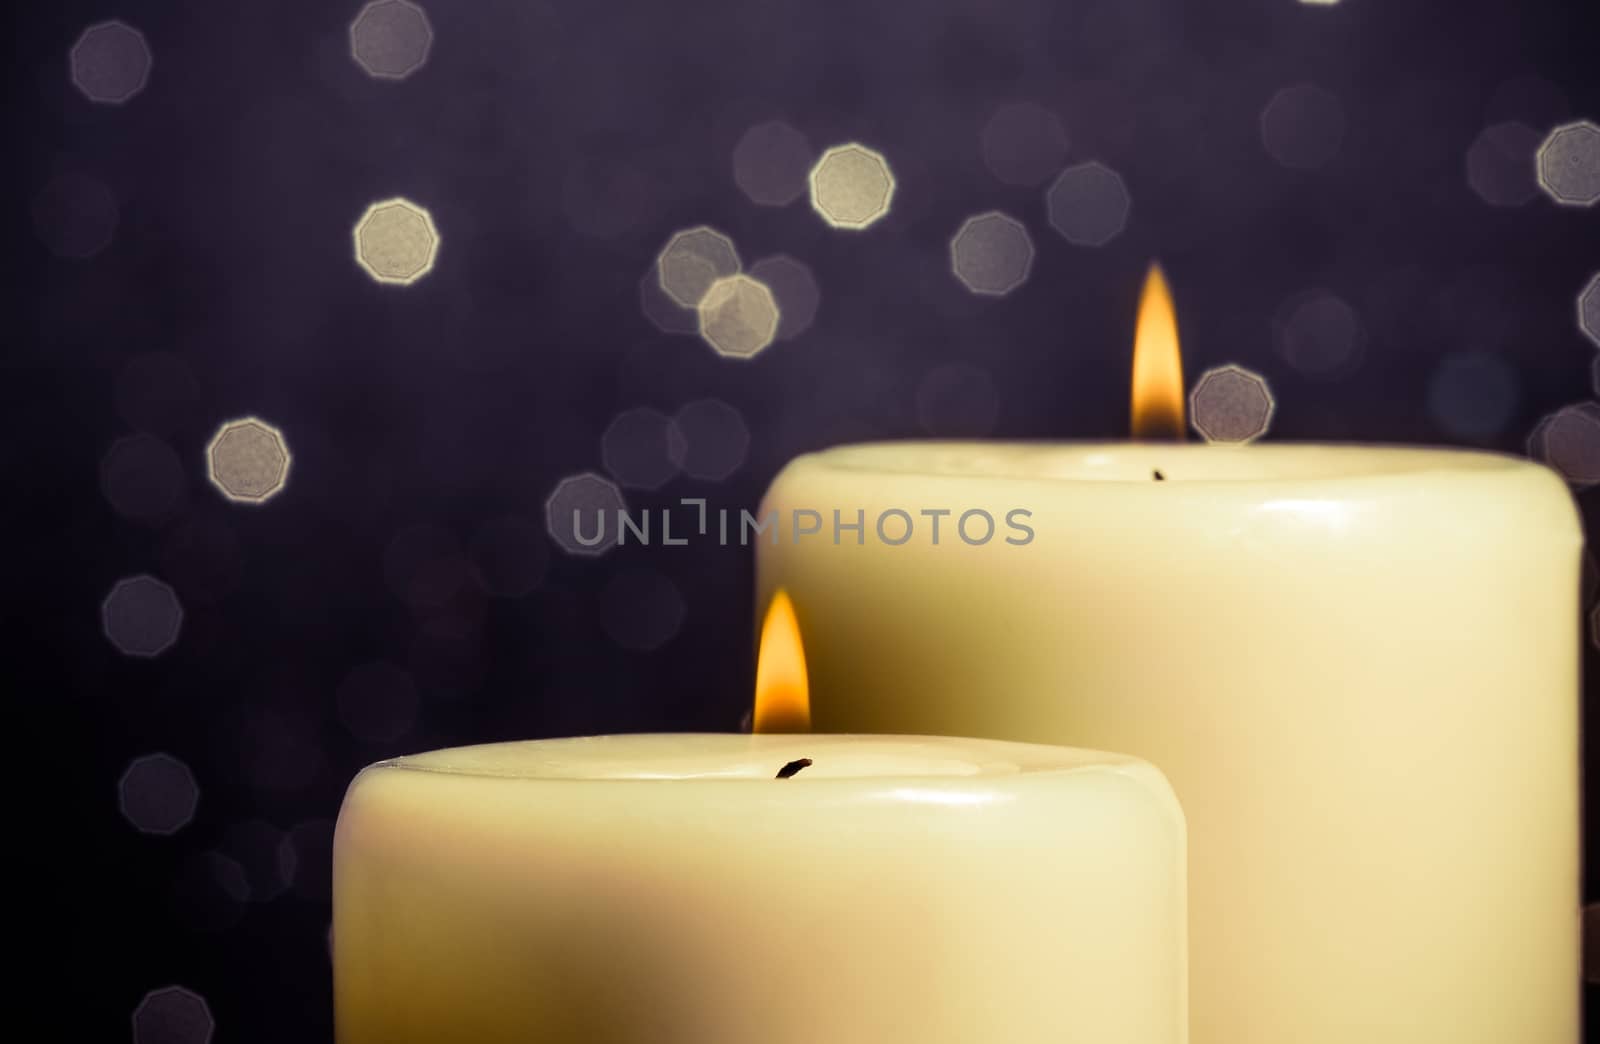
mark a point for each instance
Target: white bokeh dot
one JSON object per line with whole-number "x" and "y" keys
{"x": 1303, "y": 126}
{"x": 157, "y": 794}
{"x": 1569, "y": 441}
{"x": 110, "y": 62}
{"x": 738, "y": 316}
{"x": 1569, "y": 164}
{"x": 1589, "y": 309}
{"x": 1231, "y": 404}
{"x": 172, "y": 1015}
{"x": 851, "y": 186}
{"x": 991, "y": 254}
{"x": 396, "y": 241}
{"x": 692, "y": 260}
{"x": 794, "y": 289}
{"x": 709, "y": 439}
{"x": 247, "y": 460}
{"x": 770, "y": 163}
{"x": 141, "y": 616}
{"x": 391, "y": 39}
{"x": 581, "y": 514}
{"x": 635, "y": 448}
{"x": 1088, "y": 204}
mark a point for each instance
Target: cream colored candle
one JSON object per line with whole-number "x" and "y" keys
{"x": 669, "y": 889}
{"x": 1358, "y": 667}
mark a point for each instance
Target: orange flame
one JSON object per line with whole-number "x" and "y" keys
{"x": 783, "y": 696}
{"x": 1157, "y": 364}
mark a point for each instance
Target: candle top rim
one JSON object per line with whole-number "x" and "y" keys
{"x": 1090, "y": 462}
{"x": 727, "y": 759}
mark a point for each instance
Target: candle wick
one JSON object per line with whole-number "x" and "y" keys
{"x": 1159, "y": 477}
{"x": 793, "y": 767}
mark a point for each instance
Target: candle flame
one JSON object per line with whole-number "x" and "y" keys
{"x": 1157, "y": 364}
{"x": 783, "y": 696}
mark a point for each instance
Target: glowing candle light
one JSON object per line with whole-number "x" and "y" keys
{"x": 1358, "y": 666}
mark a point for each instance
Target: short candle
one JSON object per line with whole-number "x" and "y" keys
{"x": 671, "y": 889}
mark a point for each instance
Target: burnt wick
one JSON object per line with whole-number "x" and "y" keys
{"x": 1158, "y": 476}
{"x": 793, "y": 767}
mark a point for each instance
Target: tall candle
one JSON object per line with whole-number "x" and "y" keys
{"x": 674, "y": 890}
{"x": 1358, "y": 667}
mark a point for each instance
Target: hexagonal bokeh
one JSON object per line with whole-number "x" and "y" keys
{"x": 580, "y": 514}
{"x": 248, "y": 460}
{"x": 390, "y": 39}
{"x": 794, "y": 289}
{"x": 142, "y": 478}
{"x": 1570, "y": 442}
{"x": 1302, "y": 127}
{"x": 692, "y": 260}
{"x": 1589, "y": 309}
{"x": 957, "y": 400}
{"x": 738, "y": 316}
{"x": 709, "y": 439}
{"x": 1231, "y": 404}
{"x": 1500, "y": 164}
{"x": 770, "y": 163}
{"x": 1473, "y": 395}
{"x": 141, "y": 616}
{"x": 396, "y": 242}
{"x": 1319, "y": 334}
{"x": 664, "y": 313}
{"x": 1023, "y": 144}
{"x": 110, "y": 62}
{"x": 636, "y": 450}
{"x": 75, "y": 216}
{"x": 1088, "y": 204}
{"x": 991, "y": 254}
{"x": 172, "y": 1015}
{"x": 1569, "y": 164}
{"x": 641, "y": 610}
{"x": 851, "y": 186}
{"x": 157, "y": 794}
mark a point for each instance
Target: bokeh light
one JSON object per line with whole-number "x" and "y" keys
{"x": 794, "y": 289}
{"x": 378, "y": 702}
{"x": 738, "y": 316}
{"x": 390, "y": 39}
{"x": 248, "y": 460}
{"x": 692, "y": 260}
{"x": 509, "y": 556}
{"x": 75, "y": 216}
{"x": 172, "y": 1015}
{"x": 1500, "y": 164}
{"x": 635, "y": 448}
{"x": 991, "y": 254}
{"x": 1473, "y": 395}
{"x": 1319, "y": 334}
{"x": 1023, "y": 144}
{"x": 157, "y": 794}
{"x": 584, "y": 505}
{"x": 1569, "y": 164}
{"x": 1231, "y": 404}
{"x": 141, "y": 616}
{"x": 396, "y": 242}
{"x": 110, "y": 62}
{"x": 641, "y": 610}
{"x": 708, "y": 439}
{"x": 142, "y": 479}
{"x": 1589, "y": 309}
{"x": 1302, "y": 127}
{"x": 664, "y": 313}
{"x": 957, "y": 400}
{"x": 1088, "y": 204}
{"x": 851, "y": 186}
{"x": 1569, "y": 441}
{"x": 770, "y": 163}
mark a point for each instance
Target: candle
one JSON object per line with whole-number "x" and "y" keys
{"x": 1358, "y": 667}
{"x": 782, "y": 889}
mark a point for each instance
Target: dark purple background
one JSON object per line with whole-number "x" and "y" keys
{"x": 239, "y": 171}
